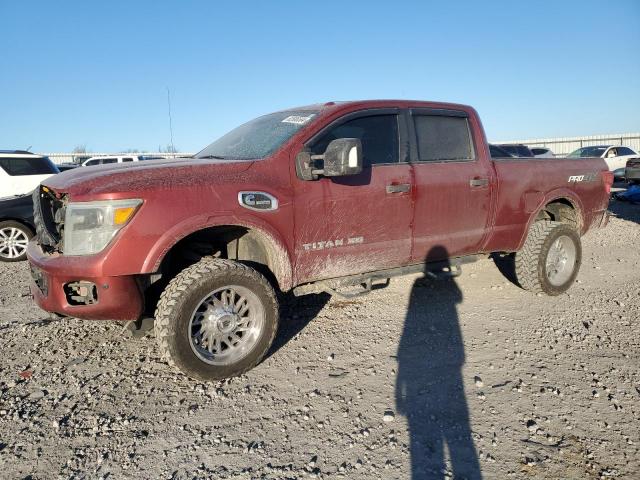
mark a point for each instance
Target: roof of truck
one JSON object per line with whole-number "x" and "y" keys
{"x": 332, "y": 105}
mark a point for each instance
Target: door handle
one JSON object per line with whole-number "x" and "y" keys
{"x": 479, "y": 182}
{"x": 398, "y": 188}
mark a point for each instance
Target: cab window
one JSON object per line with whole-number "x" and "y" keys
{"x": 443, "y": 138}
{"x": 378, "y": 134}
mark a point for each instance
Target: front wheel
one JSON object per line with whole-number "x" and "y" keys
{"x": 216, "y": 319}
{"x": 550, "y": 258}
{"x": 14, "y": 237}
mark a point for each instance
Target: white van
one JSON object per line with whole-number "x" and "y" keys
{"x": 117, "y": 159}
{"x": 21, "y": 172}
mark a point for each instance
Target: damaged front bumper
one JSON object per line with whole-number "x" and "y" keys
{"x": 74, "y": 287}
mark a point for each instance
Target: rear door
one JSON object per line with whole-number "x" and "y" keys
{"x": 24, "y": 173}
{"x": 358, "y": 223}
{"x": 453, "y": 184}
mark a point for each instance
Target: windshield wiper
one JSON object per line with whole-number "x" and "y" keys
{"x": 215, "y": 157}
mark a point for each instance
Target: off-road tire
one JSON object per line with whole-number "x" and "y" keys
{"x": 180, "y": 298}
{"x": 530, "y": 261}
{"x": 25, "y": 230}
{"x": 567, "y": 215}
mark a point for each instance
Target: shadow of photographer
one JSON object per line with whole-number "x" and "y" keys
{"x": 429, "y": 388}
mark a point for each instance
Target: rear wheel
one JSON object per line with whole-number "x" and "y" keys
{"x": 216, "y": 319}
{"x": 14, "y": 237}
{"x": 550, "y": 258}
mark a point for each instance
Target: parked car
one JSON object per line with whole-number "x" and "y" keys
{"x": 497, "y": 152}
{"x": 517, "y": 150}
{"x": 619, "y": 174}
{"x": 542, "y": 152}
{"x": 632, "y": 171}
{"x": 109, "y": 159}
{"x": 119, "y": 159}
{"x": 615, "y": 156}
{"x": 308, "y": 200}
{"x": 21, "y": 172}
{"x": 16, "y": 227}
{"x": 63, "y": 167}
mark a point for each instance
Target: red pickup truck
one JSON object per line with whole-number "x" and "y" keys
{"x": 319, "y": 198}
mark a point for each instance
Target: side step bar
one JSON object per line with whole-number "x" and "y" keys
{"x": 442, "y": 269}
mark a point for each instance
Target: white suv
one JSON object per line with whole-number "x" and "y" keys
{"x": 104, "y": 160}
{"x": 117, "y": 159}
{"x": 21, "y": 172}
{"x": 615, "y": 156}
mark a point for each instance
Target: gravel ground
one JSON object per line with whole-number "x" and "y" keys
{"x": 423, "y": 379}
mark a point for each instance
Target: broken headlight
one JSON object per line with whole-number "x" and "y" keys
{"x": 90, "y": 226}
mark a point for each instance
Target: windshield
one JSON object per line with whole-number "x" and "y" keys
{"x": 497, "y": 152}
{"x": 587, "y": 152}
{"x": 517, "y": 150}
{"x": 259, "y": 137}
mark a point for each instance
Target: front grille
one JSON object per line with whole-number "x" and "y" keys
{"x": 40, "y": 279}
{"x": 48, "y": 216}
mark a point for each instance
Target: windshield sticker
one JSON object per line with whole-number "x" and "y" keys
{"x": 297, "y": 119}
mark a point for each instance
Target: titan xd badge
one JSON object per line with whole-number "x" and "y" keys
{"x": 260, "y": 201}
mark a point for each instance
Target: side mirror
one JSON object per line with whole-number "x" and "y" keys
{"x": 343, "y": 156}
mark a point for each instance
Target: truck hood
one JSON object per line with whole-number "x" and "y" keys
{"x": 107, "y": 180}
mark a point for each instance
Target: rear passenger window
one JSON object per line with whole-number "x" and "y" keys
{"x": 28, "y": 166}
{"x": 625, "y": 151}
{"x": 442, "y": 138}
{"x": 127, "y": 159}
{"x": 110, "y": 160}
{"x": 378, "y": 134}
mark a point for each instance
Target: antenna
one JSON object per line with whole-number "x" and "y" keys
{"x": 173, "y": 150}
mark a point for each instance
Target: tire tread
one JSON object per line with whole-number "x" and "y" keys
{"x": 528, "y": 258}
{"x": 174, "y": 293}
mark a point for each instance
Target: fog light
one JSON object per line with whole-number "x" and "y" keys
{"x": 81, "y": 293}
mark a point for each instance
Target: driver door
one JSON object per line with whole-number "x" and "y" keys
{"x": 356, "y": 223}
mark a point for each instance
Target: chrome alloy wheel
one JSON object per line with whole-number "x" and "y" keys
{"x": 226, "y": 325}
{"x": 561, "y": 260}
{"x": 13, "y": 242}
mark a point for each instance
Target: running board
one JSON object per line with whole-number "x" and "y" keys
{"x": 436, "y": 270}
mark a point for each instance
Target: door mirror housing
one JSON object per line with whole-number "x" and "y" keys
{"x": 343, "y": 156}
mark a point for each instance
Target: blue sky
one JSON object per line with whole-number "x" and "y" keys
{"x": 95, "y": 73}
